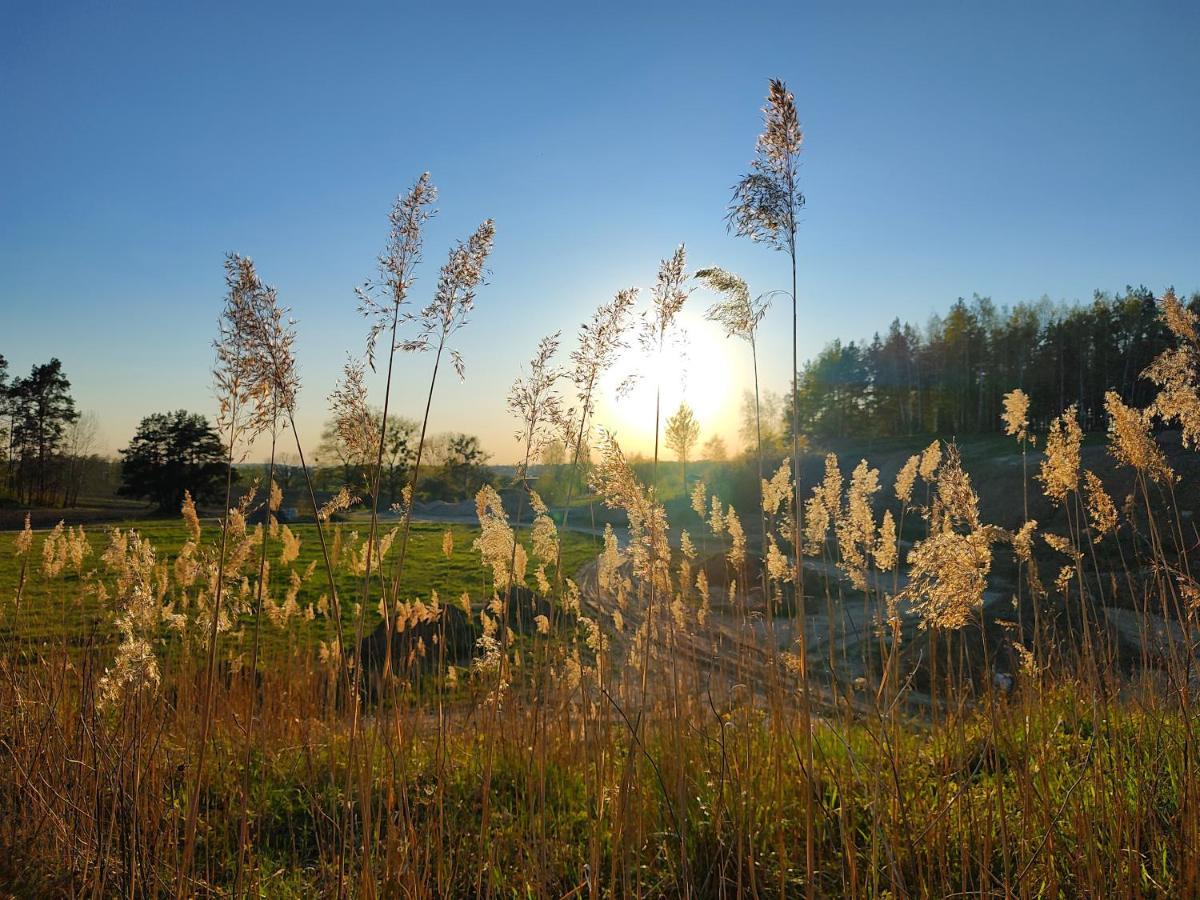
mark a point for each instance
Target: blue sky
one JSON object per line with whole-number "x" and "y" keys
{"x": 1011, "y": 150}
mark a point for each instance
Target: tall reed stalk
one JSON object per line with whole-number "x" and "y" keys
{"x": 241, "y": 386}
{"x": 765, "y": 207}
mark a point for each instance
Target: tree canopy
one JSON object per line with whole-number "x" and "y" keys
{"x": 682, "y": 432}
{"x": 40, "y": 410}
{"x": 951, "y": 375}
{"x": 172, "y": 453}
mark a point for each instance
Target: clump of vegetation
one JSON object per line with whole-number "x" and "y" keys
{"x": 879, "y": 690}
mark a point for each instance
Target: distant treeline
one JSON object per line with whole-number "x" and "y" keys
{"x": 950, "y": 376}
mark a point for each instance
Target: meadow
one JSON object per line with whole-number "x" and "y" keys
{"x": 954, "y": 669}
{"x": 52, "y": 610}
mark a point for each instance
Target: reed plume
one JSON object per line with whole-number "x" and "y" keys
{"x": 739, "y": 316}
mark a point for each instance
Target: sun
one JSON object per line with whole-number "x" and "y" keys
{"x": 698, "y": 368}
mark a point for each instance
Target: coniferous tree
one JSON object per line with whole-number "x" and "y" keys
{"x": 40, "y": 410}
{"x": 172, "y": 453}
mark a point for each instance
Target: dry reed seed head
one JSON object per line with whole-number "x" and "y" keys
{"x": 614, "y": 480}
{"x": 545, "y": 532}
{"x": 906, "y": 478}
{"x": 572, "y": 673}
{"x": 1060, "y": 469}
{"x": 947, "y": 577}
{"x": 831, "y": 486}
{"x": 75, "y": 548}
{"x": 356, "y": 426}
{"x": 54, "y": 552}
{"x": 1026, "y": 662}
{"x": 777, "y": 493}
{"x": 886, "y": 545}
{"x": 700, "y": 499}
{"x": 379, "y": 301}
{"x": 669, "y": 293}
{"x": 24, "y": 538}
{"x": 255, "y": 348}
{"x": 340, "y": 502}
{"x": 931, "y": 458}
{"x": 686, "y": 547}
{"x": 601, "y": 341}
{"x": 290, "y": 551}
{"x": 1062, "y": 545}
{"x": 593, "y": 636}
{"x": 276, "y": 497}
{"x": 186, "y": 565}
{"x": 572, "y": 597}
{"x": 702, "y": 586}
{"x": 1062, "y": 581}
{"x": 1102, "y": 512}
{"x": 1130, "y": 441}
{"x": 666, "y": 300}
{"x": 542, "y": 623}
{"x": 496, "y": 544}
{"x": 816, "y": 522}
{"x": 113, "y": 556}
{"x": 766, "y": 201}
{"x": 609, "y": 562}
{"x": 685, "y": 576}
{"x": 448, "y": 543}
{"x": 384, "y": 544}
{"x": 542, "y": 582}
{"x": 408, "y": 216}
{"x": 737, "y": 538}
{"x": 1178, "y": 400}
{"x": 1189, "y": 590}
{"x": 230, "y": 372}
{"x": 487, "y": 663}
{"x": 779, "y": 569}
{"x": 403, "y": 507}
{"x": 782, "y": 136}
{"x": 454, "y": 300}
{"x": 290, "y": 608}
{"x": 736, "y": 312}
{"x": 135, "y": 667}
{"x": 716, "y": 519}
{"x": 679, "y": 614}
{"x": 855, "y": 525}
{"x": 955, "y": 501}
{"x": 534, "y": 400}
{"x": 139, "y": 613}
{"x": 1022, "y": 541}
{"x": 190, "y": 519}
{"x": 1181, "y": 321}
{"x": 1016, "y": 414}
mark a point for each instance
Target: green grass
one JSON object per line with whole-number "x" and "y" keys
{"x": 64, "y": 608}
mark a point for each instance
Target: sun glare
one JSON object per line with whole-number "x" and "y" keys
{"x": 695, "y": 369}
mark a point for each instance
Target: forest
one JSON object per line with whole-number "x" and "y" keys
{"x": 950, "y": 376}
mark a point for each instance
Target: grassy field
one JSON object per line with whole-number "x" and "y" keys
{"x": 66, "y": 606}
